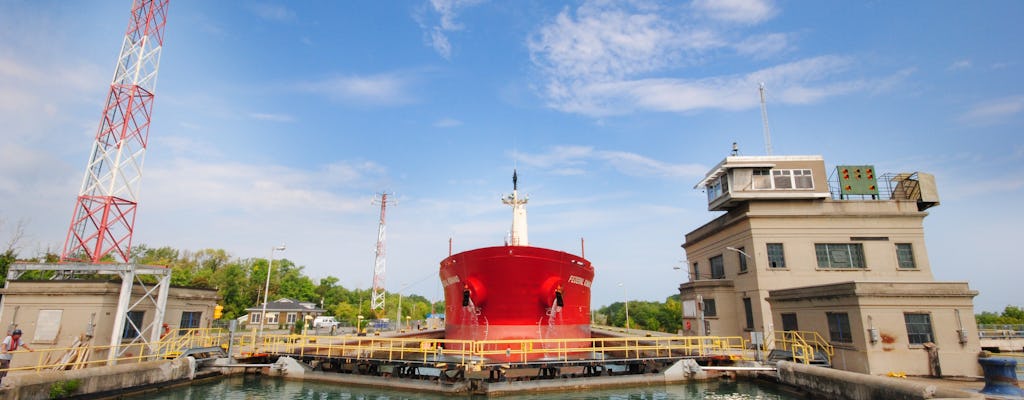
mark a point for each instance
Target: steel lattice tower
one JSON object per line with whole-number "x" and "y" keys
{"x": 104, "y": 215}
{"x": 377, "y": 299}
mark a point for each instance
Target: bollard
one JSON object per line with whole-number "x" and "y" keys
{"x": 1000, "y": 376}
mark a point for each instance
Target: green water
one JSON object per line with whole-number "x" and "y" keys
{"x": 262, "y": 387}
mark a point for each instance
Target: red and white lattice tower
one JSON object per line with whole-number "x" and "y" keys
{"x": 377, "y": 298}
{"x": 104, "y": 216}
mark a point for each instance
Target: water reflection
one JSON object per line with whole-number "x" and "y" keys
{"x": 261, "y": 387}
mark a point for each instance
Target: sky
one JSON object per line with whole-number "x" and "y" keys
{"x": 280, "y": 122}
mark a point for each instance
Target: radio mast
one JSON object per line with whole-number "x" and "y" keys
{"x": 764, "y": 120}
{"x": 104, "y": 215}
{"x": 377, "y": 298}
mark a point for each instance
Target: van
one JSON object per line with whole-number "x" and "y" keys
{"x": 325, "y": 321}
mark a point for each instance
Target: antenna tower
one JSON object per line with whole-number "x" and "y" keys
{"x": 104, "y": 214}
{"x": 764, "y": 121}
{"x": 377, "y": 298}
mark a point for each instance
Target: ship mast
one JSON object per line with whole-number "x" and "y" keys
{"x": 518, "y": 234}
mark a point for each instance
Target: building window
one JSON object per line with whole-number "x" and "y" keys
{"x": 767, "y": 179}
{"x": 189, "y": 320}
{"x": 696, "y": 271}
{"x": 748, "y": 309}
{"x": 789, "y": 322}
{"x": 709, "y": 308}
{"x": 905, "y": 255}
{"x": 839, "y": 327}
{"x": 919, "y": 328}
{"x": 845, "y": 255}
{"x": 132, "y": 324}
{"x": 255, "y": 317}
{"x": 743, "y": 258}
{"x": 717, "y": 267}
{"x": 762, "y": 178}
{"x": 776, "y": 257}
{"x": 290, "y": 318}
{"x": 272, "y": 317}
{"x": 717, "y": 188}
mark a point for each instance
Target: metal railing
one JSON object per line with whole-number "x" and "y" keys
{"x": 1000, "y": 331}
{"x": 804, "y": 346}
{"x": 425, "y": 350}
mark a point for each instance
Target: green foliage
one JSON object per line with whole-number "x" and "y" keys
{"x": 646, "y": 315}
{"x": 62, "y": 389}
{"x": 1012, "y": 315}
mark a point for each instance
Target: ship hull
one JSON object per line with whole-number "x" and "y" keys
{"x": 513, "y": 293}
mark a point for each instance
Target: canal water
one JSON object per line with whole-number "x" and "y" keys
{"x": 263, "y": 387}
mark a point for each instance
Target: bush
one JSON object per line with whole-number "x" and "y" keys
{"x": 64, "y": 389}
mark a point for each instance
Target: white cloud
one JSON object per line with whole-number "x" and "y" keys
{"x": 380, "y": 89}
{"x": 960, "y": 65}
{"x": 763, "y": 46}
{"x": 447, "y": 12}
{"x": 574, "y": 160}
{"x": 447, "y": 123}
{"x": 606, "y": 59}
{"x": 741, "y": 11}
{"x": 272, "y": 12}
{"x": 271, "y": 117}
{"x": 993, "y": 111}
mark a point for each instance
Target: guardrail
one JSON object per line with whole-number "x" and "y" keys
{"x": 393, "y": 349}
{"x": 804, "y": 345}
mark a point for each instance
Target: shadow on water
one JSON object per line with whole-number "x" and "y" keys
{"x": 262, "y": 387}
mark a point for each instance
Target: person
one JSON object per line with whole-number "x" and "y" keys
{"x": 167, "y": 330}
{"x": 10, "y": 343}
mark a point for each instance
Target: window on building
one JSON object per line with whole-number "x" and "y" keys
{"x": 776, "y": 257}
{"x": 919, "y": 328}
{"x": 290, "y": 318}
{"x": 905, "y": 255}
{"x": 696, "y": 271}
{"x": 789, "y": 322}
{"x": 839, "y": 327}
{"x": 255, "y": 317}
{"x": 718, "y": 187}
{"x": 272, "y": 317}
{"x": 762, "y": 178}
{"x": 717, "y": 267}
{"x": 748, "y": 309}
{"x": 843, "y": 255}
{"x": 743, "y": 258}
{"x": 709, "y": 308}
{"x": 132, "y": 325}
{"x": 189, "y": 320}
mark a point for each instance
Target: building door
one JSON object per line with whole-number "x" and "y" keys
{"x": 789, "y": 322}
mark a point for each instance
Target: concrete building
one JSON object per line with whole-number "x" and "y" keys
{"x": 796, "y": 250}
{"x": 54, "y": 314}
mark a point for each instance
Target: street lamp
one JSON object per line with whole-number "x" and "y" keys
{"x": 359, "y": 322}
{"x": 626, "y": 297}
{"x": 740, "y": 251}
{"x": 266, "y": 290}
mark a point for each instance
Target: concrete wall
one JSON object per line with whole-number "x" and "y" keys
{"x": 842, "y": 385}
{"x": 37, "y": 385}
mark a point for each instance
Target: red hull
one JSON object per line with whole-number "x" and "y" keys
{"x": 511, "y": 293}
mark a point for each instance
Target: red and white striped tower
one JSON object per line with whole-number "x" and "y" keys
{"x": 379, "y": 269}
{"x": 104, "y": 216}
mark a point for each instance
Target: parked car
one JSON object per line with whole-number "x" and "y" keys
{"x": 325, "y": 322}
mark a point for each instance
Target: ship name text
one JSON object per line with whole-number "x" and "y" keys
{"x": 579, "y": 281}
{"x": 450, "y": 280}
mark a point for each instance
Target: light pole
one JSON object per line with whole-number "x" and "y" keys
{"x": 266, "y": 290}
{"x": 740, "y": 251}
{"x": 625, "y": 296}
{"x": 359, "y": 322}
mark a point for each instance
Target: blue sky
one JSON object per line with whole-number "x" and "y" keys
{"x": 277, "y": 122}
